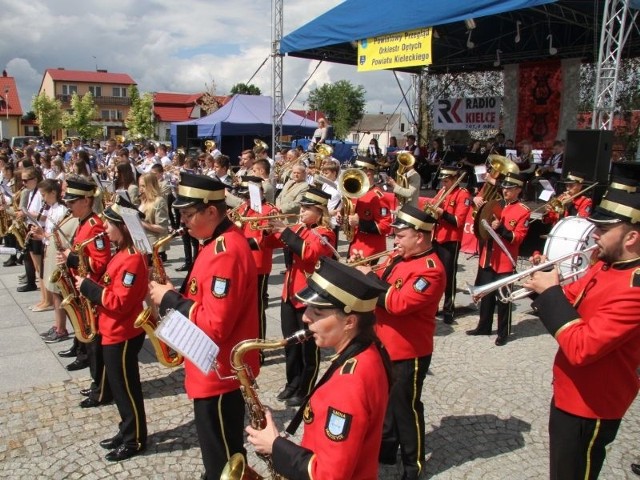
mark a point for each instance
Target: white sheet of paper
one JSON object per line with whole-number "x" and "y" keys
{"x": 188, "y": 339}
{"x": 546, "y": 195}
{"x": 480, "y": 171}
{"x": 255, "y": 197}
{"x": 138, "y": 235}
{"x": 511, "y": 154}
{"x": 537, "y": 156}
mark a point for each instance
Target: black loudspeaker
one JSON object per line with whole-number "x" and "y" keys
{"x": 589, "y": 152}
{"x": 626, "y": 169}
{"x": 185, "y": 133}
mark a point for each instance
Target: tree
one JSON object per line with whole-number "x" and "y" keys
{"x": 245, "y": 89}
{"x": 208, "y": 101}
{"x": 48, "y": 112}
{"x": 140, "y": 121}
{"x": 83, "y": 113}
{"x": 342, "y": 102}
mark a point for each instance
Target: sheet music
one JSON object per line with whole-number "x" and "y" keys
{"x": 511, "y": 154}
{"x": 480, "y": 172}
{"x": 255, "y": 197}
{"x": 138, "y": 235}
{"x": 547, "y": 191}
{"x": 186, "y": 338}
{"x": 537, "y": 156}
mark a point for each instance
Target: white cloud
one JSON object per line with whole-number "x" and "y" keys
{"x": 170, "y": 46}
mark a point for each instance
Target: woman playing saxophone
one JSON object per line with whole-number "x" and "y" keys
{"x": 344, "y": 413}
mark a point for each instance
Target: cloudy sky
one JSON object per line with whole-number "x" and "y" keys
{"x": 171, "y": 45}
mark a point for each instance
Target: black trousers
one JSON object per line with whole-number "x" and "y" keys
{"x": 448, "y": 254}
{"x": 190, "y": 246}
{"x": 123, "y": 373}
{"x": 404, "y": 424}
{"x": 577, "y": 444}
{"x": 263, "y": 301}
{"x": 220, "y": 427}
{"x": 489, "y": 303}
{"x": 302, "y": 359}
{"x": 100, "y": 390}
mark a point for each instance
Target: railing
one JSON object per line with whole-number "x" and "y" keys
{"x": 99, "y": 100}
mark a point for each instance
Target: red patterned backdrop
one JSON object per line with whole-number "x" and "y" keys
{"x": 539, "y": 102}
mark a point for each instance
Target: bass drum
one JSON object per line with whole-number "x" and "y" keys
{"x": 571, "y": 234}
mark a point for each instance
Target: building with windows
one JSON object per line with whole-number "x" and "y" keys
{"x": 10, "y": 108}
{"x": 381, "y": 126}
{"x": 110, "y": 91}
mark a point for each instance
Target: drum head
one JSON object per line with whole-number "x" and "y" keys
{"x": 570, "y": 234}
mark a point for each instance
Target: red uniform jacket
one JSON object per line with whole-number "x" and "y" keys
{"x": 580, "y": 206}
{"x": 514, "y": 225}
{"x": 221, "y": 297}
{"x": 456, "y": 207}
{"x": 406, "y": 313}
{"x": 597, "y": 325}
{"x": 375, "y": 223}
{"x": 97, "y": 253}
{"x": 342, "y": 425}
{"x": 306, "y": 248}
{"x": 119, "y": 296}
{"x": 262, "y": 254}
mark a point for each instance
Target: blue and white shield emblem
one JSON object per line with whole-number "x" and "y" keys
{"x": 421, "y": 284}
{"x": 128, "y": 279}
{"x": 220, "y": 287}
{"x": 338, "y": 425}
{"x": 363, "y": 59}
{"x": 100, "y": 243}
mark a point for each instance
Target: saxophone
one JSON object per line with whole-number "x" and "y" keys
{"x": 236, "y": 468}
{"x": 61, "y": 276}
{"x": 18, "y": 228}
{"x": 147, "y": 319}
{"x": 79, "y": 309}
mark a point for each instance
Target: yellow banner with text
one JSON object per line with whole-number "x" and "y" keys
{"x": 396, "y": 50}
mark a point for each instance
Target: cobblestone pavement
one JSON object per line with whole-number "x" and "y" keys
{"x": 486, "y": 406}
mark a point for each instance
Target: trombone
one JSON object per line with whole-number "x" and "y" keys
{"x": 254, "y": 222}
{"x": 558, "y": 203}
{"x": 503, "y": 286}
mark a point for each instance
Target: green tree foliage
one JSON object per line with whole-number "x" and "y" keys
{"x": 140, "y": 121}
{"x": 245, "y": 89}
{"x": 83, "y": 113}
{"x": 342, "y": 102}
{"x": 48, "y": 112}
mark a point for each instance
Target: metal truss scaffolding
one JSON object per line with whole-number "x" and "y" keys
{"x": 276, "y": 74}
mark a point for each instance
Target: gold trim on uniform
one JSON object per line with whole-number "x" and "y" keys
{"x": 350, "y": 301}
{"x": 201, "y": 194}
{"x": 564, "y": 327}
{"x": 632, "y": 213}
{"x": 80, "y": 193}
{"x": 193, "y": 286}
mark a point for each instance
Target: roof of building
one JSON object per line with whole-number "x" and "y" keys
{"x": 314, "y": 115}
{"x": 100, "y": 76}
{"x": 376, "y": 122}
{"x": 8, "y": 85}
{"x": 178, "y": 107}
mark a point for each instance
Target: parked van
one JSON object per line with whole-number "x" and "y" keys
{"x": 21, "y": 142}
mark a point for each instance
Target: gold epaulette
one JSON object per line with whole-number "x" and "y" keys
{"x": 635, "y": 278}
{"x": 525, "y": 206}
{"x": 220, "y": 245}
{"x": 349, "y": 367}
{"x": 431, "y": 263}
{"x": 379, "y": 192}
{"x": 131, "y": 250}
{"x": 92, "y": 222}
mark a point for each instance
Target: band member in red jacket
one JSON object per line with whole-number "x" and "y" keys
{"x": 447, "y": 237}
{"x": 579, "y": 205}
{"x": 79, "y": 195}
{"x": 220, "y": 296}
{"x": 343, "y": 416}
{"x": 372, "y": 217}
{"x": 306, "y": 243}
{"x": 596, "y": 322}
{"x": 118, "y": 297}
{"x": 406, "y": 322}
{"x": 495, "y": 263}
{"x": 256, "y": 235}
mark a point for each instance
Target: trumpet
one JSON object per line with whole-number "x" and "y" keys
{"x": 503, "y": 286}
{"x": 370, "y": 258}
{"x": 255, "y": 222}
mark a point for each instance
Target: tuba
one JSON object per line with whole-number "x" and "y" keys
{"x": 236, "y": 468}
{"x": 353, "y": 183}
{"x": 147, "y": 320}
{"x": 80, "y": 310}
{"x": 209, "y": 146}
{"x": 259, "y": 146}
{"x": 405, "y": 161}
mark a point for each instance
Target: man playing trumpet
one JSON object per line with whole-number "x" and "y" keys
{"x": 572, "y": 202}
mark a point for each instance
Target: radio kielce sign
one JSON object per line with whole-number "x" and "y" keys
{"x": 396, "y": 50}
{"x": 466, "y": 113}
